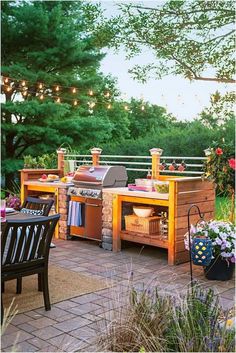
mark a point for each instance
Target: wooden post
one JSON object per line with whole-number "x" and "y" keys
{"x": 61, "y": 161}
{"x": 96, "y": 155}
{"x": 156, "y": 154}
{"x": 116, "y": 223}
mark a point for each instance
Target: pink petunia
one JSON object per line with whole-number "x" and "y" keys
{"x": 219, "y": 151}
{"x": 232, "y": 163}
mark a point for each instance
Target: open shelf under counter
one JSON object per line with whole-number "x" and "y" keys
{"x": 183, "y": 192}
{"x": 147, "y": 239}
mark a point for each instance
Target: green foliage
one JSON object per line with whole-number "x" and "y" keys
{"x": 162, "y": 323}
{"x": 46, "y": 161}
{"x": 186, "y": 38}
{"x": 222, "y": 208}
{"x": 220, "y": 166}
{"x": 37, "y": 51}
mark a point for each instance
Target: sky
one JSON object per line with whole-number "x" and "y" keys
{"x": 184, "y": 99}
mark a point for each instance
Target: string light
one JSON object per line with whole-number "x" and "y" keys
{"x": 142, "y": 107}
{"x": 126, "y": 107}
{"x": 57, "y": 88}
{"x": 75, "y": 102}
{"x": 6, "y": 80}
{"x": 109, "y": 106}
{"x": 41, "y": 96}
{"x": 73, "y": 90}
{"x": 24, "y": 93}
{"x": 23, "y": 83}
{"x": 107, "y": 94}
{"x": 58, "y": 100}
{"x": 90, "y": 92}
{"x": 9, "y": 88}
{"x": 91, "y": 104}
{"x": 40, "y": 85}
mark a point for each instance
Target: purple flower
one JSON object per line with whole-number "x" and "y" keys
{"x": 233, "y": 259}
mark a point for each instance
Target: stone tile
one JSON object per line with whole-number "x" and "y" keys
{"x": 73, "y": 324}
{"x": 66, "y": 304}
{"x": 42, "y": 322}
{"x": 45, "y": 334}
{"x": 228, "y": 294}
{"x": 23, "y": 347}
{"x": 38, "y": 342}
{"x": 28, "y": 328}
{"x": 14, "y": 338}
{"x": 66, "y": 317}
{"x": 84, "y": 308}
{"x": 50, "y": 348}
{"x": 54, "y": 313}
{"x": 83, "y": 299}
{"x": 10, "y": 329}
{"x": 66, "y": 342}
{"x": 20, "y": 319}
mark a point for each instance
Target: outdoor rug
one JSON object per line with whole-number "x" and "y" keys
{"x": 63, "y": 284}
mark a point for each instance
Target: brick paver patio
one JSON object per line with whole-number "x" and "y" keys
{"x": 71, "y": 325}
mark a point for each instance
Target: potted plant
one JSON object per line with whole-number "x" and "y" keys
{"x": 220, "y": 168}
{"x": 223, "y": 237}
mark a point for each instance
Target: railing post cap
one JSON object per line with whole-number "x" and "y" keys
{"x": 61, "y": 150}
{"x": 157, "y": 151}
{"x": 96, "y": 150}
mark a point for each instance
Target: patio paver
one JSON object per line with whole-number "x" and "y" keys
{"x": 71, "y": 325}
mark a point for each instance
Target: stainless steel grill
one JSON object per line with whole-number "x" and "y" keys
{"x": 89, "y": 182}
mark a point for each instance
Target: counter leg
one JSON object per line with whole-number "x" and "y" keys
{"x": 116, "y": 224}
{"x": 171, "y": 231}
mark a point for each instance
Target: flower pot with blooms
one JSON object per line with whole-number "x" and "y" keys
{"x": 220, "y": 167}
{"x": 223, "y": 237}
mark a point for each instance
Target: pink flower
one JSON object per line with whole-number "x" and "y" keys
{"x": 232, "y": 163}
{"x": 219, "y": 151}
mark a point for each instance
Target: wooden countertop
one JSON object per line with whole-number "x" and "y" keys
{"x": 144, "y": 194}
{"x": 57, "y": 184}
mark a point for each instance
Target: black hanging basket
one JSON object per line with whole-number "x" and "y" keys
{"x": 219, "y": 269}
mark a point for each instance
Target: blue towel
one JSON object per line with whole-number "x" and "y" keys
{"x": 75, "y": 214}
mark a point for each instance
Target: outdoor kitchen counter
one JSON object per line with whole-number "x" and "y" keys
{"x": 127, "y": 192}
{"x": 58, "y": 192}
{"x": 183, "y": 192}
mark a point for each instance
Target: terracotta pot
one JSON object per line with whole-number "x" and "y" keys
{"x": 219, "y": 269}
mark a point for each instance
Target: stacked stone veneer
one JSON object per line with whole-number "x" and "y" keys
{"x": 63, "y": 201}
{"x": 107, "y": 221}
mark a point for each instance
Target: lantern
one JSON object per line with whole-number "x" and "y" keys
{"x": 201, "y": 251}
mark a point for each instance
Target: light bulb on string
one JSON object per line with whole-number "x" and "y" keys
{"x": 58, "y": 100}
{"x": 57, "y": 88}
{"x": 107, "y": 94}
{"x": 24, "y": 93}
{"x": 90, "y": 92}
{"x": 8, "y": 89}
{"x": 41, "y": 97}
{"x": 23, "y": 83}
{"x": 6, "y": 80}
{"x": 91, "y": 105}
{"x": 40, "y": 85}
{"x": 75, "y": 102}
{"x": 126, "y": 107}
{"x": 73, "y": 90}
{"x": 109, "y": 106}
{"x": 142, "y": 108}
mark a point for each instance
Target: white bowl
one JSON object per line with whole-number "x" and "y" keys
{"x": 142, "y": 211}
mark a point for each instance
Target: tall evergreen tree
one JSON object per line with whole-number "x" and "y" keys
{"x": 45, "y": 45}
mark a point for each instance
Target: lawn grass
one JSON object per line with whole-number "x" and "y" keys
{"x": 222, "y": 208}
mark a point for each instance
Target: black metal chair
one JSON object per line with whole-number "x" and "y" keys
{"x": 36, "y": 206}
{"x": 25, "y": 250}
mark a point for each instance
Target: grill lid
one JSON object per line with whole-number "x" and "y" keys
{"x": 105, "y": 176}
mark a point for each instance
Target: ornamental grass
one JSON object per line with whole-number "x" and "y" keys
{"x": 163, "y": 323}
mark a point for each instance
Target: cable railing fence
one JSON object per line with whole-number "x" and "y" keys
{"x": 191, "y": 166}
